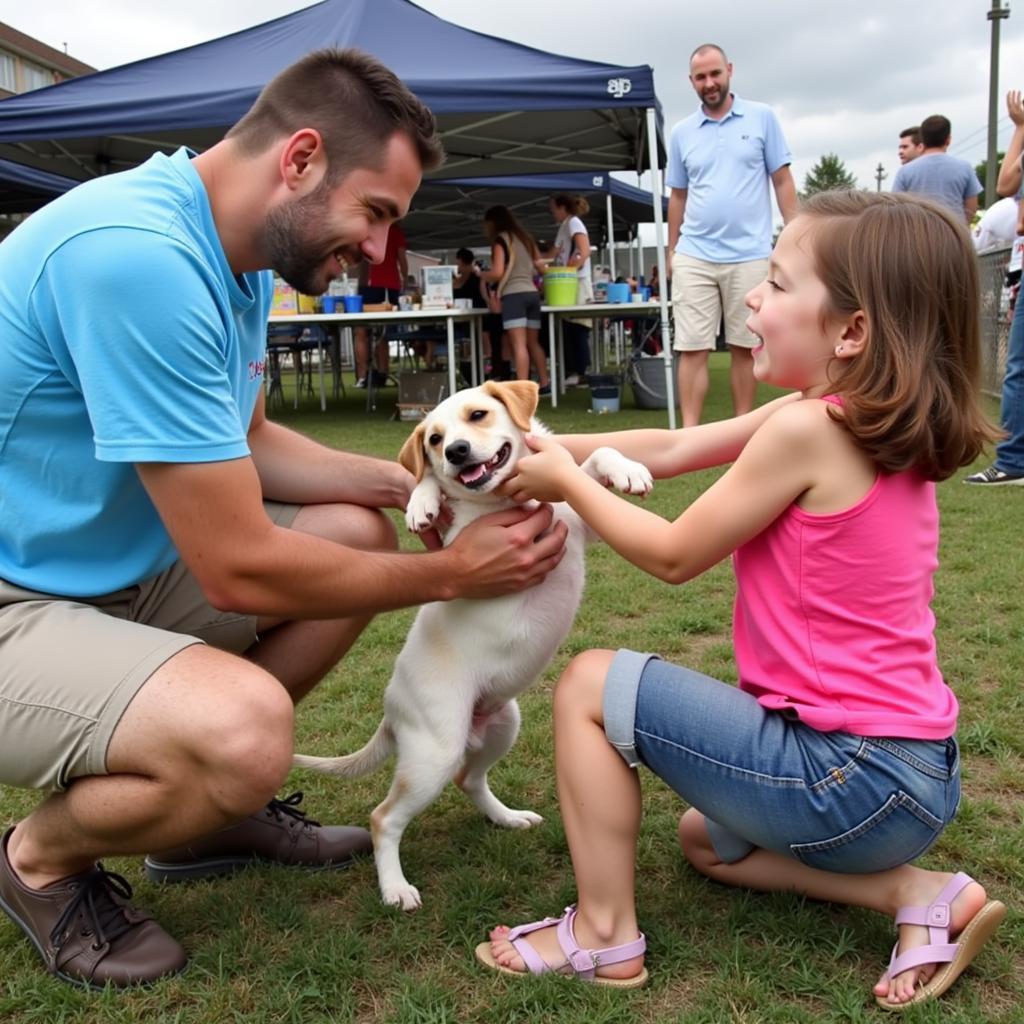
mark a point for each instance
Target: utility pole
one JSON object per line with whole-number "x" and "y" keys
{"x": 995, "y": 15}
{"x": 880, "y": 176}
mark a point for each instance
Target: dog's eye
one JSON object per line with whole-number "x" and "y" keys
{"x": 477, "y": 414}
{"x": 435, "y": 439}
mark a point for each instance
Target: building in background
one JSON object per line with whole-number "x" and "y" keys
{"x": 27, "y": 64}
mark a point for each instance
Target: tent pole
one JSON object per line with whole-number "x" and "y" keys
{"x": 611, "y": 236}
{"x": 663, "y": 284}
{"x": 639, "y": 256}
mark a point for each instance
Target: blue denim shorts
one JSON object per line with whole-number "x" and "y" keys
{"x": 762, "y": 778}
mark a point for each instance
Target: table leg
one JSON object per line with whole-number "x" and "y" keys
{"x": 553, "y": 369}
{"x": 452, "y": 355}
{"x": 320, "y": 360}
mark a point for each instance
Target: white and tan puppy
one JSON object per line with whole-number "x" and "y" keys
{"x": 450, "y": 709}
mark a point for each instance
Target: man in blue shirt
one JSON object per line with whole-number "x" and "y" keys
{"x": 175, "y": 569}
{"x": 721, "y": 160}
{"x": 938, "y": 176}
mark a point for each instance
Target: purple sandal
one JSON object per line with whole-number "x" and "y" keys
{"x": 955, "y": 956}
{"x": 581, "y": 963}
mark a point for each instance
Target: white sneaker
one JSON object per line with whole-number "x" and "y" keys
{"x": 573, "y": 380}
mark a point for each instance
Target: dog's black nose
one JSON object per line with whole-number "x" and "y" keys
{"x": 457, "y": 452}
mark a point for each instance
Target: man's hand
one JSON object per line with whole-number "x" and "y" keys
{"x": 506, "y": 552}
{"x": 1015, "y": 107}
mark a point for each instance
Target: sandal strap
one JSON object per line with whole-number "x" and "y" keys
{"x": 936, "y": 916}
{"x": 933, "y": 954}
{"x": 584, "y": 962}
{"x": 535, "y": 963}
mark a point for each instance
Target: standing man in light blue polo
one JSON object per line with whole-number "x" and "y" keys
{"x": 721, "y": 159}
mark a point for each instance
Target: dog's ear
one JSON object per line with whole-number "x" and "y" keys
{"x": 520, "y": 397}
{"x": 411, "y": 456}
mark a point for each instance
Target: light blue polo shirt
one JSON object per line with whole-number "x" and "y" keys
{"x": 938, "y": 176}
{"x": 124, "y": 337}
{"x": 725, "y": 166}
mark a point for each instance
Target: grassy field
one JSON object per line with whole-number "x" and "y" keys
{"x": 276, "y": 946}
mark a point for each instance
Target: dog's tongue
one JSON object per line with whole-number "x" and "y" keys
{"x": 470, "y": 475}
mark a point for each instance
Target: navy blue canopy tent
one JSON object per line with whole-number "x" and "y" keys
{"x": 23, "y": 189}
{"x": 448, "y": 212}
{"x": 503, "y": 108}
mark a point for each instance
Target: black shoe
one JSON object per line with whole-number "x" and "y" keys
{"x": 995, "y": 477}
{"x": 380, "y": 380}
{"x": 545, "y": 390}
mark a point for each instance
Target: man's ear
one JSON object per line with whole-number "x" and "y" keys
{"x": 303, "y": 161}
{"x": 520, "y": 397}
{"x": 412, "y": 456}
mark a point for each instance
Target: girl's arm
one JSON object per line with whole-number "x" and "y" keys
{"x": 581, "y": 251}
{"x": 497, "y": 271}
{"x": 668, "y": 453}
{"x": 774, "y": 469}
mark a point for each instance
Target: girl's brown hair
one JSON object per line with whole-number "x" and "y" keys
{"x": 503, "y": 222}
{"x": 910, "y": 399}
{"x": 576, "y": 206}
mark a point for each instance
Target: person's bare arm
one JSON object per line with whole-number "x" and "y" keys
{"x": 294, "y": 469}
{"x": 667, "y": 453}
{"x": 676, "y": 213}
{"x": 785, "y": 193}
{"x": 581, "y": 252}
{"x": 1008, "y": 182}
{"x": 497, "y": 271}
{"x": 970, "y": 208}
{"x": 403, "y": 267}
{"x": 245, "y": 563}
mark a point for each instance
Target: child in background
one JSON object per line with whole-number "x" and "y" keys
{"x": 834, "y": 764}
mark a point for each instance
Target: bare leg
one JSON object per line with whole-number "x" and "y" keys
{"x": 537, "y": 355}
{"x": 520, "y": 352}
{"x": 302, "y": 652}
{"x": 692, "y": 376}
{"x": 741, "y": 379}
{"x": 361, "y": 352}
{"x": 599, "y": 797}
{"x": 206, "y": 741}
{"x": 382, "y": 358}
{"x": 884, "y": 891}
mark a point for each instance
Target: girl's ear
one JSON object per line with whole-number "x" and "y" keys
{"x": 854, "y": 337}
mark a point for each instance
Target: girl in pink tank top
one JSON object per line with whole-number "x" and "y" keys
{"x": 833, "y": 765}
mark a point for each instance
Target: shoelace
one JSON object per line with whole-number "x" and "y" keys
{"x": 289, "y": 808}
{"x": 103, "y": 916}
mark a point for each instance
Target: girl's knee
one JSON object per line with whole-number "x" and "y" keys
{"x": 695, "y": 842}
{"x": 581, "y": 685}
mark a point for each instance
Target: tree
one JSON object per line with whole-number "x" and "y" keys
{"x": 828, "y": 173}
{"x": 981, "y": 170}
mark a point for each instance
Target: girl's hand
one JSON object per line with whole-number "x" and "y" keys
{"x": 543, "y": 475}
{"x": 1015, "y": 107}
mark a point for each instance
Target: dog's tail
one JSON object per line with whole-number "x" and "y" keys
{"x": 362, "y": 762}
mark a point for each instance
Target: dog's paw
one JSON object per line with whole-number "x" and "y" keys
{"x": 404, "y": 896}
{"x": 509, "y": 818}
{"x": 613, "y": 469}
{"x": 423, "y": 509}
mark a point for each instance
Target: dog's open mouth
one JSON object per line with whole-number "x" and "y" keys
{"x": 479, "y": 474}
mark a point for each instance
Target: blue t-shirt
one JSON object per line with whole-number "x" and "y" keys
{"x": 124, "y": 337}
{"x": 945, "y": 179}
{"x": 725, "y": 166}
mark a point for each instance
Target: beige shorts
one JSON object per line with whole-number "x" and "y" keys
{"x": 703, "y": 292}
{"x": 71, "y": 667}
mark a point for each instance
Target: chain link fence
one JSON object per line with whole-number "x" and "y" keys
{"x": 995, "y": 318}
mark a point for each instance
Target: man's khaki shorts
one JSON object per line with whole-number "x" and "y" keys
{"x": 702, "y": 292}
{"x": 70, "y": 667}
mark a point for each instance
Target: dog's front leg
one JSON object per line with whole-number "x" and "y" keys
{"x": 612, "y": 469}
{"x": 424, "y": 505}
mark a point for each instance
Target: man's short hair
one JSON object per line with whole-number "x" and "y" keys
{"x": 935, "y": 131}
{"x": 465, "y": 255}
{"x": 914, "y": 133}
{"x": 708, "y": 46}
{"x": 354, "y": 102}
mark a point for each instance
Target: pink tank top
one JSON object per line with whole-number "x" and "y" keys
{"x": 833, "y": 618}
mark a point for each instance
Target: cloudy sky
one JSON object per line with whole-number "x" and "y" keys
{"x": 844, "y": 75}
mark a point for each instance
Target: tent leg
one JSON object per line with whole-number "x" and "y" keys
{"x": 659, "y": 243}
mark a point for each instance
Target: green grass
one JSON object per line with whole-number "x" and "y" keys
{"x": 273, "y": 946}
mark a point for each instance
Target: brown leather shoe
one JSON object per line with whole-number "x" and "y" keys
{"x": 85, "y": 929}
{"x": 279, "y": 834}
